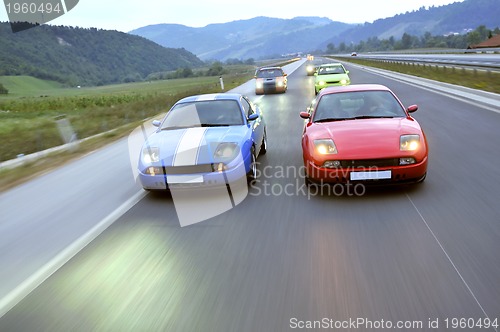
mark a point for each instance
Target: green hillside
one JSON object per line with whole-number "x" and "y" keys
{"x": 26, "y": 85}
{"x": 77, "y": 56}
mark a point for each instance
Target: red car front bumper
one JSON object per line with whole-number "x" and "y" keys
{"x": 370, "y": 174}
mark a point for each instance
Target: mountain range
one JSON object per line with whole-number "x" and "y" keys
{"x": 262, "y": 37}
{"x": 77, "y": 56}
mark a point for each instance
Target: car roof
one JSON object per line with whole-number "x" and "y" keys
{"x": 270, "y": 68}
{"x": 211, "y": 96}
{"x": 354, "y": 88}
{"x": 331, "y": 64}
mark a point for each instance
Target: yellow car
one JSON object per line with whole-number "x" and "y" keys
{"x": 332, "y": 74}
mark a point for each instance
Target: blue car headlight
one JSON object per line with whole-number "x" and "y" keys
{"x": 226, "y": 152}
{"x": 150, "y": 155}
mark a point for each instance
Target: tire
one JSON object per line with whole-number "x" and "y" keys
{"x": 263, "y": 146}
{"x": 252, "y": 173}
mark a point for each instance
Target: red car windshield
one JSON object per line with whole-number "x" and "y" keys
{"x": 356, "y": 105}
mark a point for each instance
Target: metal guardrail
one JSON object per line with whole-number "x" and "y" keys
{"x": 486, "y": 66}
{"x": 443, "y": 51}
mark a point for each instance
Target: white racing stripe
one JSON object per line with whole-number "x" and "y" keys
{"x": 211, "y": 96}
{"x": 188, "y": 147}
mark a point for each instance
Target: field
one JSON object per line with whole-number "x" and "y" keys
{"x": 30, "y": 113}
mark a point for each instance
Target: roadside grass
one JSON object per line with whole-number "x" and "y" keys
{"x": 28, "y": 123}
{"x": 28, "y": 118}
{"x": 30, "y": 87}
{"x": 12, "y": 177}
{"x": 476, "y": 79}
{"x": 22, "y": 86}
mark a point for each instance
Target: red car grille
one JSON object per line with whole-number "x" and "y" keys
{"x": 367, "y": 163}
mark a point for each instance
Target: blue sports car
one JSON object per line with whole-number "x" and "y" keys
{"x": 205, "y": 140}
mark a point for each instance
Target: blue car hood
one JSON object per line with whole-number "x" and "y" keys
{"x": 192, "y": 146}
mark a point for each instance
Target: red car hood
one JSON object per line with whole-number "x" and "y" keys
{"x": 366, "y": 138}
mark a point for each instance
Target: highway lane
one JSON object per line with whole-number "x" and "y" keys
{"x": 411, "y": 253}
{"x": 41, "y": 218}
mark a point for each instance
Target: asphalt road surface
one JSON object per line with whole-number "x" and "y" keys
{"x": 414, "y": 258}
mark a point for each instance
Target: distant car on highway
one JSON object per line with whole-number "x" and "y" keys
{"x": 204, "y": 140}
{"x": 311, "y": 68}
{"x": 354, "y": 54}
{"x": 332, "y": 74}
{"x": 270, "y": 79}
{"x": 362, "y": 133}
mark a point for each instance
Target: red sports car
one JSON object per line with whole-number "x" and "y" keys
{"x": 362, "y": 133}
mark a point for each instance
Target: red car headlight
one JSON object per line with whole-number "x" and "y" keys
{"x": 409, "y": 142}
{"x": 325, "y": 146}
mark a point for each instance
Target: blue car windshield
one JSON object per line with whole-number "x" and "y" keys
{"x": 210, "y": 113}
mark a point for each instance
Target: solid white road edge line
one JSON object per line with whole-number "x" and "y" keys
{"x": 27, "y": 286}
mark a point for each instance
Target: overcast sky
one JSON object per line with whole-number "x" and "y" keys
{"x": 126, "y": 15}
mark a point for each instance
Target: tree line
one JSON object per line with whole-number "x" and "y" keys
{"x": 77, "y": 56}
{"x": 408, "y": 41}
{"x": 216, "y": 69}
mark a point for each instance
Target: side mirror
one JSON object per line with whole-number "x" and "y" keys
{"x": 253, "y": 117}
{"x": 285, "y": 74}
{"x": 305, "y": 115}
{"x": 412, "y": 108}
{"x": 156, "y": 123}
{"x": 347, "y": 71}
{"x": 316, "y": 73}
